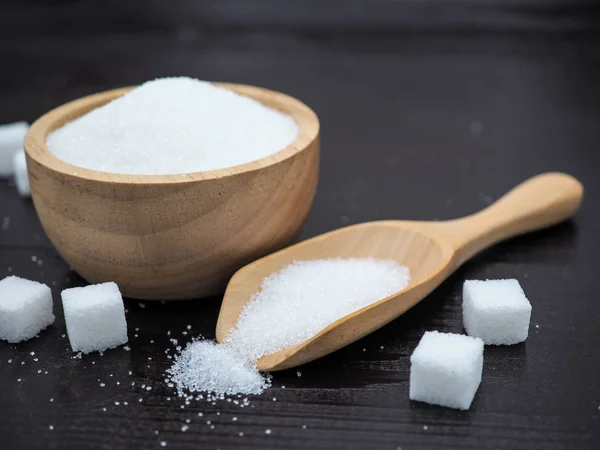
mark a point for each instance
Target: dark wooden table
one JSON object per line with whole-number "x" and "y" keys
{"x": 429, "y": 111}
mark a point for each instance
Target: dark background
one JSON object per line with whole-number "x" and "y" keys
{"x": 429, "y": 110}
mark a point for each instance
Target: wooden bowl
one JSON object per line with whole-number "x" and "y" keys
{"x": 173, "y": 236}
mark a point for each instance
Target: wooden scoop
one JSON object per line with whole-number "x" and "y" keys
{"x": 432, "y": 251}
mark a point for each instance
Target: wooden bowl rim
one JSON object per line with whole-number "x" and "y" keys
{"x": 36, "y": 149}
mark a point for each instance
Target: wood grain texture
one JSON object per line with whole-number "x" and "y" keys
{"x": 426, "y": 124}
{"x": 173, "y": 236}
{"x": 431, "y": 251}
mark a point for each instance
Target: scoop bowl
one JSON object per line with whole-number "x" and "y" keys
{"x": 431, "y": 251}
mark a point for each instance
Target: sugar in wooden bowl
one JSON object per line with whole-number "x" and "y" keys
{"x": 161, "y": 219}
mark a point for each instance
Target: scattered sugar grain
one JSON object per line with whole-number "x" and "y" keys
{"x": 163, "y": 443}
{"x": 267, "y": 431}
{"x": 51, "y": 427}
{"x": 184, "y": 428}
{"x": 156, "y": 128}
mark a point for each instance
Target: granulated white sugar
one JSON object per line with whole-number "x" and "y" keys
{"x": 293, "y": 304}
{"x": 173, "y": 126}
{"x": 205, "y": 366}
{"x": 307, "y": 296}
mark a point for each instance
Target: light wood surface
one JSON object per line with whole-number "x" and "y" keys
{"x": 431, "y": 250}
{"x": 173, "y": 236}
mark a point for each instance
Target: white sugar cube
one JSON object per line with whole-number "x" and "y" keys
{"x": 12, "y": 136}
{"x": 25, "y": 308}
{"x": 496, "y": 311}
{"x": 445, "y": 369}
{"x": 95, "y": 317}
{"x": 20, "y": 172}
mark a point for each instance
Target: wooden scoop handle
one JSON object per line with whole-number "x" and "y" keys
{"x": 539, "y": 202}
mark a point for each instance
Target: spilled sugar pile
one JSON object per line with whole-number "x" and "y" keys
{"x": 205, "y": 366}
{"x": 293, "y": 304}
{"x": 173, "y": 126}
